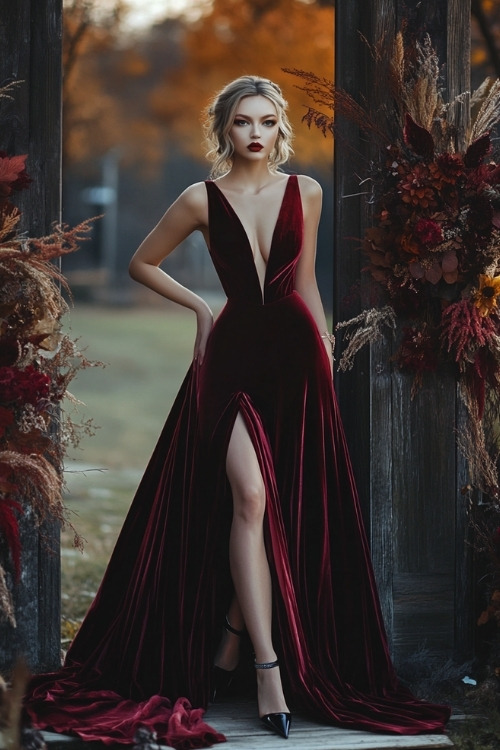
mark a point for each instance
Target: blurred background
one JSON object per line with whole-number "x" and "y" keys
{"x": 138, "y": 75}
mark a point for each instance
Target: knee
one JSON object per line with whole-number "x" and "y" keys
{"x": 250, "y": 504}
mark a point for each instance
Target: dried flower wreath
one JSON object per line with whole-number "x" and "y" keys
{"x": 37, "y": 363}
{"x": 433, "y": 248}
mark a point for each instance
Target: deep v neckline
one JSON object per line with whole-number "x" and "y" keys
{"x": 262, "y": 286}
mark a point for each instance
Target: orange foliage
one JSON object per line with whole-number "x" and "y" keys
{"x": 100, "y": 73}
{"x": 146, "y": 93}
{"x": 259, "y": 37}
{"x": 485, "y": 39}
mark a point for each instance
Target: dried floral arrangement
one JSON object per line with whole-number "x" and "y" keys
{"x": 37, "y": 363}
{"x": 433, "y": 247}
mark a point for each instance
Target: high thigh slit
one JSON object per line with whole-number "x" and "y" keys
{"x": 144, "y": 652}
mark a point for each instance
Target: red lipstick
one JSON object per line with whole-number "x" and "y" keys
{"x": 255, "y": 147}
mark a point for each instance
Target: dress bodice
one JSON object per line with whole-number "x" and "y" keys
{"x": 232, "y": 255}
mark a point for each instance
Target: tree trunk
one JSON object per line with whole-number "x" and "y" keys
{"x": 30, "y": 38}
{"x": 409, "y": 471}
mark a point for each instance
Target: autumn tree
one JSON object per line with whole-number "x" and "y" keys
{"x": 237, "y": 37}
{"x": 485, "y": 52}
{"x": 103, "y": 105}
{"x": 144, "y": 91}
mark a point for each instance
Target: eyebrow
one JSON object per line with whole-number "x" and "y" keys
{"x": 265, "y": 117}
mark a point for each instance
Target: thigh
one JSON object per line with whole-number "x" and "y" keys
{"x": 242, "y": 466}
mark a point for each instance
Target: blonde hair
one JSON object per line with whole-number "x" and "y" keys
{"x": 220, "y": 115}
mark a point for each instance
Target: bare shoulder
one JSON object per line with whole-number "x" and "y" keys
{"x": 311, "y": 193}
{"x": 310, "y": 190}
{"x": 194, "y": 200}
{"x": 194, "y": 196}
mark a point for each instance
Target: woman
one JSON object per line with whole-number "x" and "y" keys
{"x": 251, "y": 136}
{"x": 247, "y": 514}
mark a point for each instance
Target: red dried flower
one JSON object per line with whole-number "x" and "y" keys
{"x": 415, "y": 188}
{"x": 418, "y": 350}
{"x": 447, "y": 168}
{"x": 428, "y": 232}
{"x": 483, "y": 371}
{"x": 463, "y": 326}
{"x": 28, "y": 386}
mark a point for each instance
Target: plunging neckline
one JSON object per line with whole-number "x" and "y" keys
{"x": 262, "y": 286}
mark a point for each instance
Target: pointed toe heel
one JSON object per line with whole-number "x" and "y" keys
{"x": 222, "y": 678}
{"x": 278, "y": 723}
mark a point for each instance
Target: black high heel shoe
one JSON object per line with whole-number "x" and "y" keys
{"x": 278, "y": 722}
{"x": 222, "y": 678}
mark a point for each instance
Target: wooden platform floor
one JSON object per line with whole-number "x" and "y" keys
{"x": 239, "y": 723}
{"x": 237, "y": 720}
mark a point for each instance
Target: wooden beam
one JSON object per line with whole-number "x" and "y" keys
{"x": 30, "y": 38}
{"x": 404, "y": 452}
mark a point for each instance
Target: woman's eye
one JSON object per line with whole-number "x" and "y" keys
{"x": 240, "y": 122}
{"x": 270, "y": 123}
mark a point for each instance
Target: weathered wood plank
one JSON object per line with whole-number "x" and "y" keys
{"x": 30, "y": 37}
{"x": 458, "y": 82}
{"x": 381, "y": 530}
{"x": 352, "y": 387}
{"x": 424, "y": 512}
{"x": 237, "y": 720}
{"x": 465, "y": 613}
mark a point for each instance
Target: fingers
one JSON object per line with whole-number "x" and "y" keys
{"x": 198, "y": 357}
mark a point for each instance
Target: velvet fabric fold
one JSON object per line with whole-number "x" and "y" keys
{"x": 144, "y": 652}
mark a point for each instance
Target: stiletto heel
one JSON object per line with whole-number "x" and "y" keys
{"x": 222, "y": 678}
{"x": 277, "y": 722}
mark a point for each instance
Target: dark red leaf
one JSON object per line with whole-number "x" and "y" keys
{"x": 11, "y": 168}
{"x": 477, "y": 151}
{"x": 418, "y": 138}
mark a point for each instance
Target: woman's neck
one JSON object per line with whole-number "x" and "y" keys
{"x": 247, "y": 177}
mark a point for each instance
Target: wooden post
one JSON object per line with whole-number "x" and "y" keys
{"x": 31, "y": 39}
{"x": 409, "y": 471}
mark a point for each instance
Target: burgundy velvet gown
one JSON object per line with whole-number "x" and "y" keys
{"x": 144, "y": 653}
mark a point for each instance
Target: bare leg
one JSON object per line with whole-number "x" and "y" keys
{"x": 248, "y": 560}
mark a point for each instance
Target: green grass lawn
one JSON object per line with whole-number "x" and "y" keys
{"x": 147, "y": 352}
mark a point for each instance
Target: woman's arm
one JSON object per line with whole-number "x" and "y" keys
{"x": 305, "y": 280}
{"x": 187, "y": 213}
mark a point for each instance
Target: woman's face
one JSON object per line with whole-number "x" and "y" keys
{"x": 255, "y": 128}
